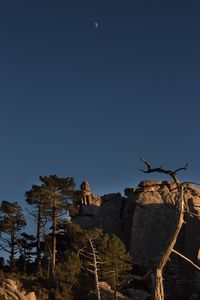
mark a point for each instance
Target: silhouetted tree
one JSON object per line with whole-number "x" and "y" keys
{"x": 70, "y": 238}
{"x": 27, "y": 244}
{"x": 11, "y": 222}
{"x": 36, "y": 198}
{"x": 55, "y": 194}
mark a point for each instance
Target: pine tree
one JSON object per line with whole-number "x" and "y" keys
{"x": 27, "y": 244}
{"x": 56, "y": 194}
{"x": 11, "y": 222}
{"x": 36, "y": 198}
{"x": 68, "y": 271}
{"x": 116, "y": 261}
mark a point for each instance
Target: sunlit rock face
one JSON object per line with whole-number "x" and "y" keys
{"x": 154, "y": 219}
{"x": 144, "y": 220}
{"x": 87, "y": 197}
{"x": 9, "y": 290}
{"x": 145, "y": 217}
{"x": 108, "y": 294}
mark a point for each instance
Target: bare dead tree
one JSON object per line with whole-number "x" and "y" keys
{"x": 157, "y": 273}
{"x": 186, "y": 259}
{"x": 172, "y": 174}
{"x": 93, "y": 261}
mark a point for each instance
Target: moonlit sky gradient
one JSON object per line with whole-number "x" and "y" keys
{"x": 85, "y": 101}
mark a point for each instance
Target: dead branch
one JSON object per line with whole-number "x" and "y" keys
{"x": 86, "y": 256}
{"x": 94, "y": 265}
{"x": 80, "y": 251}
{"x": 187, "y": 259}
{"x": 169, "y": 172}
{"x": 156, "y": 274}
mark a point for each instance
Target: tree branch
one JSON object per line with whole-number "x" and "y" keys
{"x": 4, "y": 249}
{"x": 187, "y": 259}
{"x": 171, "y": 173}
{"x": 156, "y": 275}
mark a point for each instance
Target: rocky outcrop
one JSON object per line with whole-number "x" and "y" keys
{"x": 108, "y": 294}
{"x": 153, "y": 224}
{"x": 144, "y": 219}
{"x": 153, "y": 220}
{"x": 9, "y": 290}
{"x": 107, "y": 216}
{"x": 87, "y": 197}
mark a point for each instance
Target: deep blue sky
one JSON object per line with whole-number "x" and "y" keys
{"x": 81, "y": 101}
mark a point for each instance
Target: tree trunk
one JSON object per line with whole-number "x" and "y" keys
{"x": 115, "y": 281}
{"x": 158, "y": 290}
{"x": 24, "y": 264}
{"x": 12, "y": 253}
{"x": 53, "y": 258}
{"x": 95, "y": 271}
{"x": 38, "y": 245}
{"x": 157, "y": 285}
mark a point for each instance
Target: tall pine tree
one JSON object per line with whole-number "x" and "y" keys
{"x": 55, "y": 194}
{"x": 11, "y": 222}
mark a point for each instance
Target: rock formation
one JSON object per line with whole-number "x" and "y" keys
{"x": 143, "y": 219}
{"x": 87, "y": 198}
{"x": 9, "y": 290}
{"x": 108, "y": 294}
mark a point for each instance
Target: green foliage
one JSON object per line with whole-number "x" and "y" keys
{"x": 66, "y": 252}
{"x": 71, "y": 238}
{"x": 74, "y": 206}
{"x": 27, "y": 243}
{"x": 67, "y": 272}
{"x": 53, "y": 191}
{"x": 51, "y": 199}
{"x": 57, "y": 191}
{"x": 116, "y": 260}
{"x": 11, "y": 217}
{"x": 11, "y": 222}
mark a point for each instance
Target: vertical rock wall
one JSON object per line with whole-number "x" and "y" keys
{"x": 144, "y": 220}
{"x": 145, "y": 217}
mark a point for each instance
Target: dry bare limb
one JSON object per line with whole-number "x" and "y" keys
{"x": 94, "y": 265}
{"x": 80, "y": 251}
{"x": 186, "y": 259}
{"x": 162, "y": 170}
{"x": 86, "y": 256}
{"x": 156, "y": 274}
